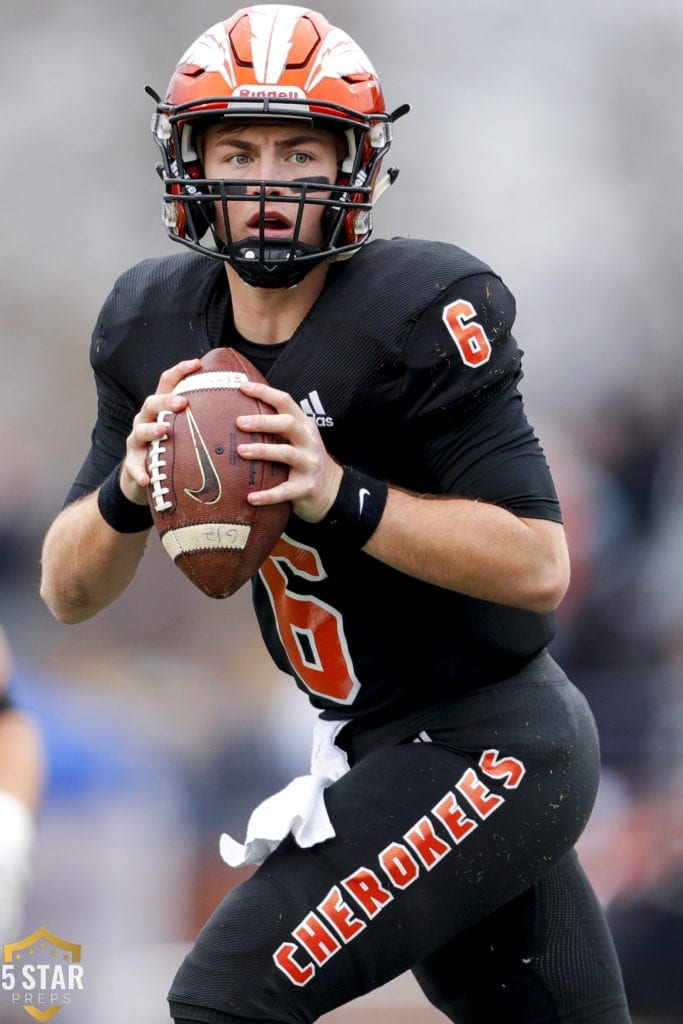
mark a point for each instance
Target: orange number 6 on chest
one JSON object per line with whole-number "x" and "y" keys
{"x": 311, "y": 631}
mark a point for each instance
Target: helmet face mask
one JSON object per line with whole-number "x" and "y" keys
{"x": 272, "y": 64}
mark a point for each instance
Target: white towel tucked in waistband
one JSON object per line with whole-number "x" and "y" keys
{"x": 299, "y": 808}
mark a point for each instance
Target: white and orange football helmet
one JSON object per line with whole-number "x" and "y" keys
{"x": 273, "y": 61}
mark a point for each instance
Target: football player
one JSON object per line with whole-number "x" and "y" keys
{"x": 411, "y": 596}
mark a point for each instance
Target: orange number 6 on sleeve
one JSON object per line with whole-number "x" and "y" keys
{"x": 470, "y": 337}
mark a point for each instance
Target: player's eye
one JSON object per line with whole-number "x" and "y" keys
{"x": 301, "y": 158}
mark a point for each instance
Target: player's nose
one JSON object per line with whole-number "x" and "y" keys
{"x": 269, "y": 175}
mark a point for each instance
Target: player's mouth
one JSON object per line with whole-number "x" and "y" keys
{"x": 272, "y": 223}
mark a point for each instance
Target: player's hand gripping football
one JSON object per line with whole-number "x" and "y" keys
{"x": 314, "y": 477}
{"x": 146, "y": 428}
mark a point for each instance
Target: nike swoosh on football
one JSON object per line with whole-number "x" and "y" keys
{"x": 210, "y": 490}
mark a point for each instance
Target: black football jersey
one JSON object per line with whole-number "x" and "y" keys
{"x": 408, "y": 365}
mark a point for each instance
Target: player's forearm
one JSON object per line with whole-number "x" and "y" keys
{"x": 86, "y": 565}
{"x": 474, "y": 548}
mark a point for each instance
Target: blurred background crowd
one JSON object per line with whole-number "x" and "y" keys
{"x": 548, "y": 140}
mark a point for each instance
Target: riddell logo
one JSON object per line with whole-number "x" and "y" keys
{"x": 41, "y": 973}
{"x": 261, "y": 92}
{"x": 313, "y": 407}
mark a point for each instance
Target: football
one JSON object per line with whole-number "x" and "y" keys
{"x": 199, "y": 484}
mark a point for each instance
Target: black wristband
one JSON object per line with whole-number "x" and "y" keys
{"x": 357, "y": 509}
{"x": 123, "y": 515}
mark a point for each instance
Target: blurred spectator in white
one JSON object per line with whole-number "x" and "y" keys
{"x": 22, "y": 780}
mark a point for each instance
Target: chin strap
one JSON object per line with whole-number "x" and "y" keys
{"x": 384, "y": 183}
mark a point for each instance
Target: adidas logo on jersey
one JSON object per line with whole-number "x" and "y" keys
{"x": 313, "y": 407}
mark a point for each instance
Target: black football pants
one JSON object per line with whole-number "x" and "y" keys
{"x": 453, "y": 857}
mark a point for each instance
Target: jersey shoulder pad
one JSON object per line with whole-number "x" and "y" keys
{"x": 159, "y": 286}
{"x": 153, "y": 308}
{"x": 418, "y": 269}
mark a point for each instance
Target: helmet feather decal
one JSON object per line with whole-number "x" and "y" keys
{"x": 338, "y": 56}
{"x": 212, "y": 53}
{"x": 272, "y": 31}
